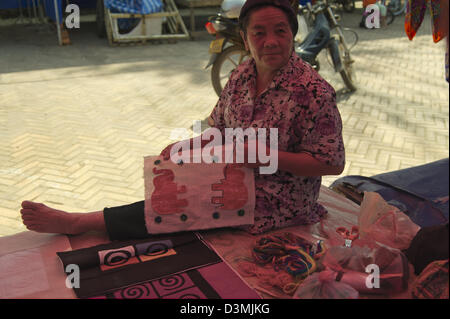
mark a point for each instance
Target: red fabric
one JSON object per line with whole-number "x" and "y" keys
{"x": 415, "y": 13}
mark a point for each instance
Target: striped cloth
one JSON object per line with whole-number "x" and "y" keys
{"x": 134, "y": 6}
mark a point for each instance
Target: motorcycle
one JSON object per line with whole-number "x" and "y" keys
{"x": 321, "y": 37}
{"x": 228, "y": 51}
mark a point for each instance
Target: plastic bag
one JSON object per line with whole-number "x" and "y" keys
{"x": 374, "y": 271}
{"x": 384, "y": 223}
{"x": 323, "y": 285}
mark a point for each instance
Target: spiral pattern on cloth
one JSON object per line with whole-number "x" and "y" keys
{"x": 136, "y": 292}
{"x": 189, "y": 296}
{"x": 117, "y": 257}
{"x": 172, "y": 282}
{"x": 156, "y": 249}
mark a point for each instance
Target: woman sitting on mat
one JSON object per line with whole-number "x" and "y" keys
{"x": 273, "y": 89}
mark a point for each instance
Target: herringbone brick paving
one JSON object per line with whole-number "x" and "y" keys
{"x": 76, "y": 121}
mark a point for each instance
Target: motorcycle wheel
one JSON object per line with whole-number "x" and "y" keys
{"x": 224, "y": 65}
{"x": 347, "y": 73}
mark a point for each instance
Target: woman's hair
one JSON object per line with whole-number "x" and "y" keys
{"x": 284, "y": 5}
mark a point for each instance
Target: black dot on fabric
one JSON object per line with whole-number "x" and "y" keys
{"x": 157, "y": 162}
{"x": 216, "y": 215}
{"x": 158, "y": 219}
{"x": 183, "y": 217}
{"x": 241, "y": 212}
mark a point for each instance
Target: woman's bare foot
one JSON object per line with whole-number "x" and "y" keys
{"x": 43, "y": 219}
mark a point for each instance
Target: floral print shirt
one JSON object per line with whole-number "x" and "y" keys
{"x": 302, "y": 105}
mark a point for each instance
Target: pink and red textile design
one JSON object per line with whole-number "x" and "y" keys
{"x": 173, "y": 266}
{"x": 217, "y": 281}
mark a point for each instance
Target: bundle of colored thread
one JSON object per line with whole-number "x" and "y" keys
{"x": 267, "y": 278}
{"x": 288, "y": 252}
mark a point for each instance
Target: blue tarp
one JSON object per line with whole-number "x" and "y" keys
{"x": 49, "y": 6}
{"x": 421, "y": 192}
{"x": 84, "y": 3}
{"x": 116, "y": 6}
{"x": 13, "y": 4}
{"x": 50, "y": 10}
{"x": 134, "y": 6}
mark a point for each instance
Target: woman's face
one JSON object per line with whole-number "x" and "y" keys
{"x": 269, "y": 38}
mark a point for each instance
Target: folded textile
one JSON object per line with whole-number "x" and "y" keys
{"x": 108, "y": 267}
{"x": 216, "y": 281}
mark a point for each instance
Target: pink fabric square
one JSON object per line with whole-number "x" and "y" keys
{"x": 226, "y": 282}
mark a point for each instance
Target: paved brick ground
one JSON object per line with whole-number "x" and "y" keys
{"x": 76, "y": 121}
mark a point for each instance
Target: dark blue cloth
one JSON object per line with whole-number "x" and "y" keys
{"x": 12, "y": 4}
{"x": 50, "y": 9}
{"x": 84, "y": 3}
{"x": 48, "y": 4}
{"x": 134, "y": 6}
{"x": 415, "y": 191}
{"x": 430, "y": 181}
